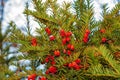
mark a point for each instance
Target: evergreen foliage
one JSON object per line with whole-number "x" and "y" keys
{"x": 72, "y": 46}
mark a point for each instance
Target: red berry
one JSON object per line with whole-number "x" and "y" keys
{"x": 30, "y": 77}
{"x": 72, "y": 47}
{"x": 48, "y": 31}
{"x": 104, "y": 40}
{"x": 51, "y": 58}
{"x": 64, "y": 41}
{"x": 77, "y": 67}
{"x": 85, "y": 40}
{"x": 46, "y": 59}
{"x": 52, "y": 38}
{"x": 57, "y": 53}
{"x": 52, "y": 69}
{"x": 102, "y": 30}
{"x": 74, "y": 64}
{"x": 87, "y": 31}
{"x": 34, "y": 42}
{"x": 42, "y": 78}
{"x": 62, "y": 33}
{"x": 78, "y": 61}
{"x": 53, "y": 63}
{"x": 69, "y": 46}
{"x": 47, "y": 72}
{"x": 70, "y": 65}
{"x": 34, "y": 75}
{"x": 67, "y": 39}
{"x": 68, "y": 34}
{"x": 86, "y": 35}
{"x": 69, "y": 52}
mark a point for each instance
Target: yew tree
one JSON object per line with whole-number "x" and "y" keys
{"x": 70, "y": 42}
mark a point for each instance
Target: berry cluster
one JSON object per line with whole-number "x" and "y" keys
{"x": 86, "y": 36}
{"x": 75, "y": 64}
{"x": 66, "y": 38}
{"x": 51, "y": 70}
{"x": 50, "y": 59}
